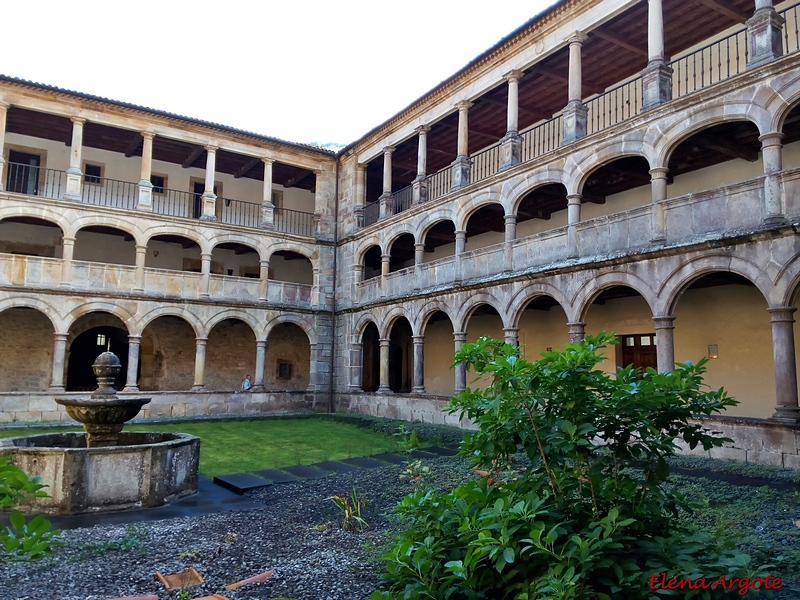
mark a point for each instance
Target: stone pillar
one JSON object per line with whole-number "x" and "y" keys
{"x": 658, "y": 193}
{"x": 783, "y": 356}
{"x": 3, "y": 114}
{"x": 267, "y": 207}
{"x": 205, "y": 274}
{"x": 764, "y": 34}
{"x": 773, "y": 164}
{"x": 145, "y": 185}
{"x": 356, "y": 353}
{"x": 511, "y": 235}
{"x": 200, "y": 365}
{"x": 462, "y": 164}
{"x": 67, "y": 249}
{"x": 419, "y": 364}
{"x": 511, "y": 144}
{"x": 656, "y": 76}
{"x": 141, "y": 256}
{"x": 419, "y": 188}
{"x": 383, "y": 387}
{"x": 263, "y": 276}
{"x": 358, "y": 277}
{"x": 386, "y": 199}
{"x": 209, "y": 197}
{"x": 573, "y": 218}
{"x": 134, "y": 342}
{"x": 385, "y": 258}
{"x": 461, "y": 246}
{"x": 419, "y": 255}
{"x": 74, "y": 173}
{"x": 258, "y": 376}
{"x": 361, "y": 194}
{"x": 511, "y": 335}
{"x": 59, "y": 356}
{"x": 577, "y": 331}
{"x": 574, "y": 115}
{"x": 460, "y": 338}
{"x": 665, "y": 343}
{"x": 316, "y": 297}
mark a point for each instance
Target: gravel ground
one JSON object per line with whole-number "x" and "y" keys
{"x": 295, "y": 534}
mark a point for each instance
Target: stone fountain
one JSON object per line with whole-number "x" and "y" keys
{"x": 105, "y": 468}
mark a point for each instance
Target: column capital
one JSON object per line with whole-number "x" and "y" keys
{"x": 4, "y": 105}
{"x": 418, "y": 339}
{"x": 419, "y": 246}
{"x": 148, "y": 135}
{"x": 773, "y": 138}
{"x": 510, "y": 219}
{"x": 389, "y": 149}
{"x": 78, "y": 120}
{"x": 778, "y": 314}
{"x": 211, "y": 148}
{"x": 201, "y": 340}
{"x": 60, "y": 337}
{"x": 205, "y": 255}
{"x": 461, "y": 233}
{"x": 514, "y": 75}
{"x": 577, "y": 37}
{"x": 141, "y": 247}
{"x": 422, "y": 129}
{"x": 659, "y": 172}
{"x": 134, "y": 338}
{"x": 463, "y": 105}
{"x": 664, "y": 322}
{"x": 383, "y": 341}
{"x": 460, "y": 336}
{"x": 267, "y": 159}
{"x": 573, "y": 199}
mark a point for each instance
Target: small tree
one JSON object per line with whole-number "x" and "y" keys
{"x": 590, "y": 516}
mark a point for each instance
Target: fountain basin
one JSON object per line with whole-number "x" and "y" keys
{"x": 145, "y": 469}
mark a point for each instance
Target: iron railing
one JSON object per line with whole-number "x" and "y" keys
{"x": 485, "y": 163}
{"x": 440, "y": 183}
{"x": 403, "y": 199}
{"x": 177, "y": 203}
{"x": 543, "y": 138}
{"x": 294, "y": 221}
{"x": 791, "y": 32}
{"x": 102, "y": 191}
{"x": 710, "y": 64}
{"x": 372, "y": 212}
{"x": 614, "y": 106}
{"x": 238, "y": 212}
{"x": 35, "y": 181}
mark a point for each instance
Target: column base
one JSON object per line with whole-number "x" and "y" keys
{"x": 418, "y": 390}
{"x": 656, "y": 85}
{"x": 461, "y": 168}
{"x": 131, "y": 388}
{"x": 384, "y": 389}
{"x": 56, "y": 389}
{"x": 257, "y": 389}
{"x": 786, "y": 415}
{"x": 208, "y": 218}
{"x": 764, "y": 30}
{"x": 510, "y": 150}
{"x": 198, "y": 388}
{"x": 574, "y": 120}
{"x": 774, "y": 220}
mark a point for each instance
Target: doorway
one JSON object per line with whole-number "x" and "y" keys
{"x": 639, "y": 350}
{"x": 23, "y": 173}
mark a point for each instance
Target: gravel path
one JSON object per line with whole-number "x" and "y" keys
{"x": 294, "y": 534}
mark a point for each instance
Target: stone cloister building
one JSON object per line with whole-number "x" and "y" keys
{"x": 603, "y": 167}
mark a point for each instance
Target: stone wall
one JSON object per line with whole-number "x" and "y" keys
{"x": 26, "y": 350}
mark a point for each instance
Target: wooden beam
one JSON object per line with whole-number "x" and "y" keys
{"x": 133, "y": 146}
{"x": 725, "y": 9}
{"x": 603, "y": 35}
{"x": 734, "y": 151}
{"x": 245, "y": 169}
{"x": 587, "y": 86}
{"x": 295, "y": 180}
{"x": 198, "y": 150}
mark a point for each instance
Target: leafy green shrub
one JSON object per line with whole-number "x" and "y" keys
{"x": 590, "y": 516}
{"x": 23, "y": 540}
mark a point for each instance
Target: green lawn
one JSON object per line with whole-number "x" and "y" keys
{"x": 233, "y": 446}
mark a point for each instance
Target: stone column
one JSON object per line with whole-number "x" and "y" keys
{"x": 511, "y": 235}
{"x": 74, "y": 173}
{"x": 267, "y": 207}
{"x": 658, "y": 193}
{"x": 358, "y": 277}
{"x": 59, "y": 356}
{"x": 200, "y": 365}
{"x": 67, "y": 249}
{"x": 361, "y": 194}
{"x": 462, "y": 164}
{"x": 511, "y": 144}
{"x": 573, "y": 218}
{"x": 258, "y": 376}
{"x": 764, "y": 34}
{"x": 386, "y": 199}
{"x": 385, "y": 258}
{"x": 419, "y": 255}
{"x": 461, "y": 246}
{"x": 316, "y": 297}
{"x": 419, "y": 188}
{"x": 460, "y": 338}
{"x": 383, "y": 387}
{"x": 575, "y": 113}
{"x": 263, "y": 284}
{"x": 209, "y": 197}
{"x": 657, "y": 76}
{"x": 205, "y": 274}
{"x": 783, "y": 356}
{"x": 141, "y": 257}
{"x": 131, "y": 377}
{"x": 577, "y": 331}
{"x": 145, "y": 185}
{"x": 511, "y": 335}
{"x": 419, "y": 364}
{"x": 3, "y": 114}
{"x": 773, "y": 164}
{"x": 356, "y": 353}
{"x": 665, "y": 343}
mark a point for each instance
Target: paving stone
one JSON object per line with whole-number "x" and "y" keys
{"x": 335, "y": 466}
{"x": 364, "y": 463}
{"x": 391, "y": 457}
{"x": 241, "y": 482}
{"x": 276, "y": 476}
{"x": 441, "y": 450}
{"x": 422, "y": 454}
{"x": 306, "y": 472}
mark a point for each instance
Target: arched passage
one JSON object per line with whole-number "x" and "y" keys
{"x": 235, "y": 259}
{"x": 372, "y": 262}
{"x": 401, "y": 254}
{"x": 723, "y": 316}
{"x": 483, "y": 321}
{"x": 89, "y": 336}
{"x": 370, "y": 359}
{"x": 285, "y": 265}
{"x": 542, "y": 326}
{"x": 486, "y": 226}
{"x": 103, "y": 244}
{"x": 616, "y": 186}
{"x": 167, "y": 355}
{"x": 30, "y": 236}
{"x": 288, "y": 358}
{"x": 26, "y": 350}
{"x": 541, "y": 209}
{"x": 230, "y": 355}
{"x": 401, "y": 356}
{"x": 438, "y": 353}
{"x": 173, "y": 252}
{"x": 440, "y": 241}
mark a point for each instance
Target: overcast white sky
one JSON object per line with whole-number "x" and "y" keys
{"x": 313, "y": 71}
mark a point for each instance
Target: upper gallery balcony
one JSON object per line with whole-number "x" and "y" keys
{"x": 596, "y": 79}
{"x": 58, "y": 147}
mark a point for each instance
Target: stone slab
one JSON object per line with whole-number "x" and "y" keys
{"x": 335, "y": 466}
{"x": 441, "y": 450}
{"x": 364, "y": 463}
{"x": 276, "y": 476}
{"x": 391, "y": 457}
{"x": 306, "y": 472}
{"x": 241, "y": 482}
{"x": 422, "y": 454}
